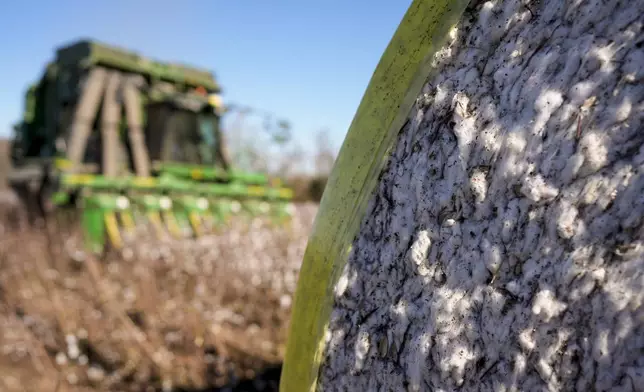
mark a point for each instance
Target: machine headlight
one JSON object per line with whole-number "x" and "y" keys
{"x": 215, "y": 101}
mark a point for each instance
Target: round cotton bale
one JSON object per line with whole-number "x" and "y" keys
{"x": 502, "y": 245}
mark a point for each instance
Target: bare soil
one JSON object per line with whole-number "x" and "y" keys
{"x": 209, "y": 314}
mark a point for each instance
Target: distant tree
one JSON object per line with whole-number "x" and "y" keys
{"x": 291, "y": 160}
{"x": 259, "y": 142}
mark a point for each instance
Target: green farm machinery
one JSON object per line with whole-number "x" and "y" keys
{"x": 123, "y": 138}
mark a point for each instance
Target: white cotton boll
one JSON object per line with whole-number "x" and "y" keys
{"x": 547, "y": 102}
{"x": 72, "y": 378}
{"x": 595, "y": 152}
{"x": 526, "y": 340}
{"x": 362, "y": 346}
{"x": 285, "y": 301}
{"x": 71, "y": 339}
{"x": 546, "y": 305}
{"x": 535, "y": 188}
{"x": 419, "y": 252}
{"x": 61, "y": 359}
{"x": 493, "y": 258}
{"x": 515, "y": 142}
{"x": 566, "y": 221}
{"x": 73, "y": 352}
{"x": 95, "y": 374}
{"x": 478, "y": 185}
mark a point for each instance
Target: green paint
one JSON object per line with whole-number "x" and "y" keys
{"x": 30, "y": 104}
{"x": 93, "y": 229}
{"x": 88, "y": 53}
{"x": 174, "y": 186}
{"x": 60, "y": 198}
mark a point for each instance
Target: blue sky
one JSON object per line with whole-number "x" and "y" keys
{"x": 306, "y": 61}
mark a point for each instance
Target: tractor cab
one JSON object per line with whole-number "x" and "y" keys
{"x": 185, "y": 128}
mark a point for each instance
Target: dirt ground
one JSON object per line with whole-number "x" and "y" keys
{"x": 184, "y": 315}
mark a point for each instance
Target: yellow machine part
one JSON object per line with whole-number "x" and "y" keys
{"x": 112, "y": 228}
{"x": 195, "y": 223}
{"x": 127, "y": 221}
{"x": 171, "y": 223}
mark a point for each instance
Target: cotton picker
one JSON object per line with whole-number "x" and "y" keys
{"x": 128, "y": 139}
